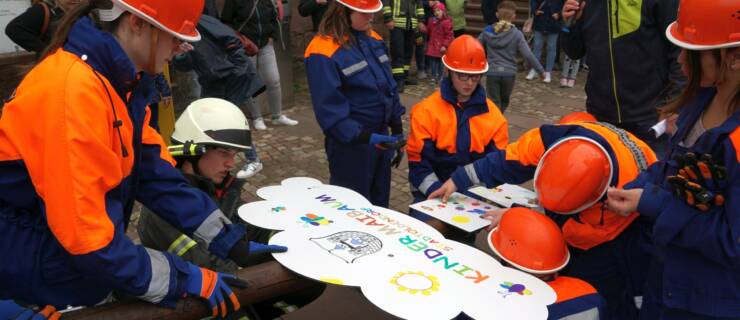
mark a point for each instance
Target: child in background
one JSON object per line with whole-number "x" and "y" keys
{"x": 439, "y": 29}
{"x": 502, "y": 42}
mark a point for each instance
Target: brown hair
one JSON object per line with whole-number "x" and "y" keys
{"x": 506, "y": 10}
{"x": 693, "y": 61}
{"x": 337, "y": 24}
{"x": 71, "y": 17}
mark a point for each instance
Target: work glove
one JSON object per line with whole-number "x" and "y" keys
{"x": 259, "y": 248}
{"x": 399, "y": 152}
{"x": 214, "y": 288}
{"x": 11, "y": 310}
{"x": 386, "y": 142}
{"x": 699, "y": 181}
{"x": 243, "y": 250}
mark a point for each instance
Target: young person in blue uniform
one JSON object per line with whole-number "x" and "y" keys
{"x": 76, "y": 151}
{"x": 694, "y": 195}
{"x": 455, "y": 125}
{"x": 355, "y": 99}
{"x": 531, "y": 242}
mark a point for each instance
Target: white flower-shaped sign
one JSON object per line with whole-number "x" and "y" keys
{"x": 401, "y": 264}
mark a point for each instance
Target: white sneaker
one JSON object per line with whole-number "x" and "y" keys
{"x": 259, "y": 124}
{"x": 249, "y": 170}
{"x": 531, "y": 74}
{"x": 283, "y": 120}
{"x": 547, "y": 78}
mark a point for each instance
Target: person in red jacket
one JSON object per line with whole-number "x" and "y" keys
{"x": 439, "y": 29}
{"x": 531, "y": 242}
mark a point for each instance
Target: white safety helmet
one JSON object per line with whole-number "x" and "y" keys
{"x": 213, "y": 121}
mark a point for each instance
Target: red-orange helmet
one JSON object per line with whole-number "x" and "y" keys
{"x": 529, "y": 241}
{"x": 365, "y": 6}
{"x": 578, "y": 116}
{"x": 703, "y": 24}
{"x": 178, "y": 18}
{"x": 573, "y": 175}
{"x": 466, "y": 55}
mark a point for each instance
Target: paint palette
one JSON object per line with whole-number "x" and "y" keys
{"x": 460, "y": 211}
{"x": 507, "y": 194}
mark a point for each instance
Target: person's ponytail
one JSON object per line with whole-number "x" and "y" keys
{"x": 69, "y": 19}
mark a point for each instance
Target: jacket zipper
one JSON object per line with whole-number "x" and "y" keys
{"x": 616, "y": 15}
{"x": 611, "y": 58}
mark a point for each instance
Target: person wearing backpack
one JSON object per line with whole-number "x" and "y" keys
{"x": 32, "y": 29}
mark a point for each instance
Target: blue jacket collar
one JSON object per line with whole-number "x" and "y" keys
{"x": 477, "y": 99}
{"x": 102, "y": 52}
{"x": 692, "y": 112}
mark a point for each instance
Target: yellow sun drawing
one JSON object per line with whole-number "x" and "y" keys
{"x": 415, "y": 282}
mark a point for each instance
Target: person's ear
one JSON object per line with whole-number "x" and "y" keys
{"x": 733, "y": 59}
{"x": 136, "y": 24}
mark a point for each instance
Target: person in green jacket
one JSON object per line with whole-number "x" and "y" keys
{"x": 456, "y": 11}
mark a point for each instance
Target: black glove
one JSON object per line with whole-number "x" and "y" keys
{"x": 397, "y": 159}
{"x": 699, "y": 181}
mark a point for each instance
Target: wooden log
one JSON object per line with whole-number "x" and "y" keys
{"x": 266, "y": 281}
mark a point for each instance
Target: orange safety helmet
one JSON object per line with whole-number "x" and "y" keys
{"x": 573, "y": 175}
{"x": 364, "y": 6}
{"x": 529, "y": 241}
{"x": 704, "y": 25}
{"x": 578, "y": 116}
{"x": 177, "y": 17}
{"x": 466, "y": 55}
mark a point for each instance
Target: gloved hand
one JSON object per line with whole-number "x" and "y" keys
{"x": 381, "y": 138}
{"x": 699, "y": 180}
{"x": 258, "y": 248}
{"x": 387, "y": 142}
{"x": 11, "y": 310}
{"x": 214, "y": 288}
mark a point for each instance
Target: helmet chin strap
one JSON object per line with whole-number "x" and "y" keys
{"x": 153, "y": 50}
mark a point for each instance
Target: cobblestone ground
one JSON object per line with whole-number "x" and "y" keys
{"x": 299, "y": 150}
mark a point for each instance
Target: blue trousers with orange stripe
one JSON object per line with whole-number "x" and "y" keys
{"x": 362, "y": 168}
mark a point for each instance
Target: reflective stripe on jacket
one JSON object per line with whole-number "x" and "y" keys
{"x": 352, "y": 88}
{"x": 517, "y": 163}
{"x": 406, "y": 14}
{"x": 76, "y": 150}
{"x": 445, "y": 135}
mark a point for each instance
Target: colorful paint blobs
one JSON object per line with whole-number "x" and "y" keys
{"x": 332, "y": 280}
{"x": 460, "y": 208}
{"x": 415, "y": 282}
{"x": 278, "y": 209}
{"x": 461, "y": 219}
{"x": 315, "y": 220}
{"x": 487, "y": 207}
{"x": 427, "y": 208}
{"x": 475, "y": 204}
{"x": 441, "y": 206}
{"x": 477, "y": 211}
{"x": 512, "y": 288}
